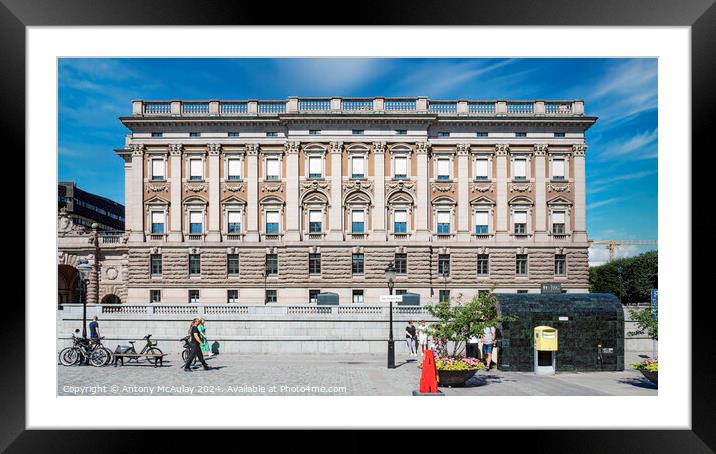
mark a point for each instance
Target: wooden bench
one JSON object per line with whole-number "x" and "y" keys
{"x": 119, "y": 357}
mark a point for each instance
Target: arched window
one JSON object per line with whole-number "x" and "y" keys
{"x": 195, "y": 217}
{"x": 314, "y": 207}
{"x": 443, "y": 217}
{"x": 521, "y": 216}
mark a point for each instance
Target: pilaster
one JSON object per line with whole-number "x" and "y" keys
{"x": 580, "y": 193}
{"x": 501, "y": 232}
{"x": 214, "y": 230}
{"x": 540, "y": 225}
{"x": 463, "y": 205}
{"x": 422, "y": 151}
{"x": 252, "y": 192}
{"x": 175, "y": 215}
{"x": 292, "y": 205}
{"x": 335, "y": 214}
{"x": 137, "y": 227}
{"x": 379, "y": 180}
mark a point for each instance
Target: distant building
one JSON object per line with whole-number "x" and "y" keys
{"x": 85, "y": 208}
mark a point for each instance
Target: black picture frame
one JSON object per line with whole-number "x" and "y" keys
{"x": 700, "y": 15}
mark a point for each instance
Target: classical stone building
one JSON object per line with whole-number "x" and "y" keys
{"x": 274, "y": 201}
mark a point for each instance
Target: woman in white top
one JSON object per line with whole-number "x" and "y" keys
{"x": 422, "y": 336}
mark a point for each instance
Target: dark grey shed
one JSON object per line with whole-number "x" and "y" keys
{"x": 327, "y": 299}
{"x": 584, "y": 322}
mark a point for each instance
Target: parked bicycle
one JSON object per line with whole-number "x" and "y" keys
{"x": 187, "y": 350}
{"x": 85, "y": 350}
{"x": 153, "y": 354}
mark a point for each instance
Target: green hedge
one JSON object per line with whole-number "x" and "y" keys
{"x": 630, "y": 279}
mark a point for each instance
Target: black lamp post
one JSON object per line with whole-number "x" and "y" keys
{"x": 84, "y": 269}
{"x": 265, "y": 288}
{"x": 390, "y": 275}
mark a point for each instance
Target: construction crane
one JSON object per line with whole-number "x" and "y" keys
{"x": 614, "y": 244}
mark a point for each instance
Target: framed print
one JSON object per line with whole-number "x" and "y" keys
{"x": 405, "y": 226}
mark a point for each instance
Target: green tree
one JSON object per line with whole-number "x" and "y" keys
{"x": 631, "y": 279}
{"x": 645, "y": 323}
{"x": 459, "y": 321}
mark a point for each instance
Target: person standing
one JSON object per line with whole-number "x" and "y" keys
{"x": 205, "y": 349}
{"x": 422, "y": 336}
{"x": 410, "y": 337}
{"x": 196, "y": 344}
{"x": 472, "y": 347}
{"x": 488, "y": 339}
{"x": 94, "y": 329}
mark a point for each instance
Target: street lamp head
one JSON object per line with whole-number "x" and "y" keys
{"x": 390, "y": 272}
{"x": 84, "y": 268}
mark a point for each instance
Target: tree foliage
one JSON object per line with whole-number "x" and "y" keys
{"x": 645, "y": 323}
{"x": 459, "y": 321}
{"x": 631, "y": 279}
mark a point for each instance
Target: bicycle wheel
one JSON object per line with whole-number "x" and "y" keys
{"x": 69, "y": 356}
{"x": 99, "y": 358}
{"x": 184, "y": 355}
{"x": 153, "y": 360}
{"x": 110, "y": 355}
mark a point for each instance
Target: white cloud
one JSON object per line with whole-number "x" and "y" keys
{"x": 599, "y": 253}
{"x": 636, "y": 146}
{"x": 335, "y": 76}
{"x": 601, "y": 203}
{"x": 607, "y": 181}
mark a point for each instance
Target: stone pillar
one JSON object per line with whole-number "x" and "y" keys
{"x": 175, "y": 187}
{"x": 128, "y": 196}
{"x": 423, "y": 202}
{"x": 540, "y": 225}
{"x": 501, "y": 229}
{"x": 292, "y": 207}
{"x": 463, "y": 191}
{"x": 379, "y": 229}
{"x": 137, "y": 192}
{"x": 335, "y": 214}
{"x": 252, "y": 192}
{"x": 580, "y": 194}
{"x": 214, "y": 230}
{"x": 92, "y": 289}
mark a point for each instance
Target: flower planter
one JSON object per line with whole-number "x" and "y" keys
{"x": 651, "y": 376}
{"x": 454, "y": 377}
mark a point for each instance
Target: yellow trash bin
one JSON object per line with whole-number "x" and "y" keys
{"x": 545, "y": 348}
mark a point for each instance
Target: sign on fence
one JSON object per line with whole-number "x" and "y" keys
{"x": 391, "y": 298}
{"x": 551, "y": 287}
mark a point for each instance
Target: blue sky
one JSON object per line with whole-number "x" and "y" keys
{"x": 621, "y": 159}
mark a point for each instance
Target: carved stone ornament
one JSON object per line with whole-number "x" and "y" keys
{"x": 175, "y": 149}
{"x": 291, "y": 147}
{"x": 579, "y": 149}
{"x": 157, "y": 187}
{"x": 463, "y": 149}
{"x": 233, "y": 187}
{"x": 194, "y": 250}
{"x": 195, "y": 187}
{"x": 111, "y": 273}
{"x": 273, "y": 188}
{"x": 501, "y": 149}
{"x": 358, "y": 185}
{"x": 137, "y": 149}
{"x": 442, "y": 188}
{"x": 64, "y": 221}
{"x": 482, "y": 187}
{"x": 541, "y": 149}
{"x": 252, "y": 149}
{"x": 422, "y": 148}
{"x": 336, "y": 147}
{"x": 314, "y": 185}
{"x": 214, "y": 149}
{"x": 379, "y": 147}
{"x": 520, "y": 187}
{"x": 401, "y": 185}
{"x": 558, "y": 187}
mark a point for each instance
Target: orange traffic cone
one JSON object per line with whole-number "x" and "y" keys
{"x": 429, "y": 376}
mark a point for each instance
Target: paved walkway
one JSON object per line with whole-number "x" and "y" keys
{"x": 351, "y": 375}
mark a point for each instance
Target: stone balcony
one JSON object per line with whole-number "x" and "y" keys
{"x": 374, "y": 105}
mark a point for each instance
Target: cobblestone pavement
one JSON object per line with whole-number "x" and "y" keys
{"x": 352, "y": 375}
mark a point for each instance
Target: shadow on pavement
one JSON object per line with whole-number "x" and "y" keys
{"x": 639, "y": 383}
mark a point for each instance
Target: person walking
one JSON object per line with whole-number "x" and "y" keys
{"x": 205, "y": 348}
{"x": 196, "y": 344}
{"x": 422, "y": 336}
{"x": 94, "y": 329}
{"x": 410, "y": 337}
{"x": 488, "y": 338}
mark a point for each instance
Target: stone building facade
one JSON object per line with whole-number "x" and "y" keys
{"x": 273, "y": 201}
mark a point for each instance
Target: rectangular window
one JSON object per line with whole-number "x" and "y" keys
{"x": 483, "y": 264}
{"x": 271, "y": 296}
{"x": 481, "y": 222}
{"x": 156, "y": 264}
{"x": 313, "y": 296}
{"x": 193, "y": 296}
{"x": 194, "y": 134}
{"x": 520, "y": 134}
{"x": 443, "y": 222}
{"x": 357, "y": 296}
{"x": 520, "y": 220}
{"x": 481, "y": 134}
{"x": 155, "y": 296}
{"x": 196, "y": 220}
{"x": 196, "y": 169}
{"x": 481, "y": 170}
{"x": 194, "y": 265}
{"x": 314, "y": 132}
{"x": 315, "y": 221}
{"x": 558, "y": 169}
{"x": 271, "y": 264}
{"x": 520, "y": 169}
{"x": 357, "y": 263}
{"x": 444, "y": 296}
{"x": 357, "y": 167}
{"x": 158, "y": 169}
{"x": 521, "y": 265}
{"x": 232, "y": 296}
{"x": 400, "y": 221}
{"x": 401, "y": 263}
{"x": 400, "y": 291}
{"x": 357, "y": 221}
{"x": 401, "y": 167}
{"x": 271, "y": 134}
{"x": 234, "y": 134}
{"x": 444, "y": 264}
{"x": 401, "y": 132}
{"x": 314, "y": 167}
{"x": 156, "y": 134}
{"x": 443, "y": 169}
{"x": 522, "y": 291}
{"x": 443, "y": 134}
{"x": 357, "y": 132}
{"x": 234, "y": 222}
{"x": 314, "y": 263}
{"x": 558, "y": 223}
{"x": 157, "y": 222}
{"x": 272, "y": 169}
{"x": 559, "y": 134}
{"x": 234, "y": 169}
{"x": 232, "y": 264}
{"x": 560, "y": 265}
{"x": 272, "y": 219}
